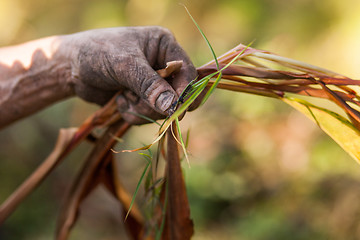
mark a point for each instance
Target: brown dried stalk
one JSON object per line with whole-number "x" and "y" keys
{"x": 84, "y": 183}
{"x": 178, "y": 225}
{"x": 68, "y": 139}
{"x": 100, "y": 167}
{"x": 251, "y": 73}
{"x": 300, "y": 79}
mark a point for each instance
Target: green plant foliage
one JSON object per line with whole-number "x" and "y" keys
{"x": 312, "y": 201}
{"x": 148, "y": 159}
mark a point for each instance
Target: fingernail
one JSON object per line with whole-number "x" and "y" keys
{"x": 122, "y": 104}
{"x": 164, "y": 100}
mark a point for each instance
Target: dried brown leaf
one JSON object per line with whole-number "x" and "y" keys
{"x": 63, "y": 142}
{"x": 171, "y": 68}
{"x": 84, "y": 180}
{"x": 178, "y": 225}
{"x": 135, "y": 221}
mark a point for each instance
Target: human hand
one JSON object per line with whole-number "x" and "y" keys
{"x": 106, "y": 61}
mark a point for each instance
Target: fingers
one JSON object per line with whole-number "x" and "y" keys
{"x": 186, "y": 74}
{"x": 128, "y": 60}
{"x": 172, "y": 51}
{"x": 151, "y": 88}
{"x": 93, "y": 94}
{"x": 134, "y": 110}
{"x": 169, "y": 51}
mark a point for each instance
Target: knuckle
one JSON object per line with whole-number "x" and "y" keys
{"x": 167, "y": 32}
{"x": 163, "y": 35}
{"x": 161, "y": 30}
{"x": 148, "y": 85}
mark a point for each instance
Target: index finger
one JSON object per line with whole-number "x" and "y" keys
{"x": 170, "y": 50}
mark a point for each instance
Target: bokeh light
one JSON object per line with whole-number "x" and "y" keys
{"x": 259, "y": 170}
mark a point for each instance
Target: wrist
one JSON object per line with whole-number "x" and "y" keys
{"x": 64, "y": 63}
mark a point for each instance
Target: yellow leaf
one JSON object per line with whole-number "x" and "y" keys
{"x": 337, "y": 127}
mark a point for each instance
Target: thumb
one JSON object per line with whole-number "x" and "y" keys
{"x": 152, "y": 88}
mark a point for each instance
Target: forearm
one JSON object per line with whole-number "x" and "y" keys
{"x": 94, "y": 65}
{"x": 32, "y": 76}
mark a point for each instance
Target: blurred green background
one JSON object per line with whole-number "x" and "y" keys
{"x": 259, "y": 170}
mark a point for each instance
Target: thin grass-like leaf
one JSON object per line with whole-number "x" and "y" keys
{"x": 217, "y": 81}
{"x": 148, "y": 159}
{"x": 294, "y": 63}
{"x": 212, "y": 88}
{"x": 157, "y": 139}
{"x": 187, "y": 138}
{"x": 331, "y": 113}
{"x": 160, "y": 230}
{"x": 182, "y": 141}
{"x": 203, "y": 35}
{"x": 196, "y": 92}
{"x": 144, "y": 117}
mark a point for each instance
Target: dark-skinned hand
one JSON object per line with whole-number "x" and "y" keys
{"x": 125, "y": 59}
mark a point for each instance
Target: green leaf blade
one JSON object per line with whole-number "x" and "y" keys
{"x": 203, "y": 35}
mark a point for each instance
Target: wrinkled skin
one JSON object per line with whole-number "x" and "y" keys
{"x": 94, "y": 65}
{"x": 125, "y": 59}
